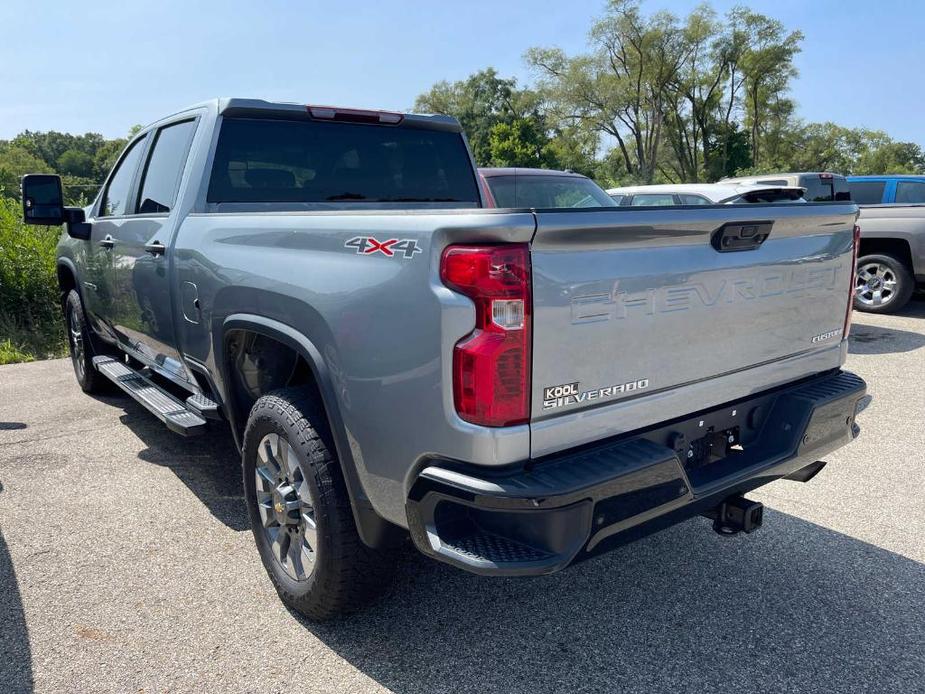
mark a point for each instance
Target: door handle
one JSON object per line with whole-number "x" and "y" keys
{"x": 155, "y": 248}
{"x": 108, "y": 242}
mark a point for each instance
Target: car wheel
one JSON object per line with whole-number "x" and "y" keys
{"x": 300, "y": 512}
{"x": 81, "y": 346}
{"x": 883, "y": 284}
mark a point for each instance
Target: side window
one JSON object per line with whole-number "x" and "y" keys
{"x": 115, "y": 199}
{"x": 910, "y": 191}
{"x": 694, "y": 200}
{"x": 161, "y": 179}
{"x": 867, "y": 192}
{"x": 653, "y": 200}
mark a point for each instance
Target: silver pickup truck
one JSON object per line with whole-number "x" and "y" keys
{"x": 517, "y": 390}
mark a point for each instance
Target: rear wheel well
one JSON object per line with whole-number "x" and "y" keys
{"x": 257, "y": 364}
{"x": 898, "y": 248}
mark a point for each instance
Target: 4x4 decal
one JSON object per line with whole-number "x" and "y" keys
{"x": 368, "y": 245}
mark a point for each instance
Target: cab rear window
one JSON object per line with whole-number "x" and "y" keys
{"x": 267, "y": 161}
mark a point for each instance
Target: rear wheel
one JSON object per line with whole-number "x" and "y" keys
{"x": 883, "y": 284}
{"x": 300, "y": 511}
{"x": 81, "y": 345}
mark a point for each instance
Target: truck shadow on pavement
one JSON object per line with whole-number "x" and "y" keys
{"x": 208, "y": 464}
{"x": 872, "y": 339}
{"x": 795, "y": 607}
{"x": 15, "y": 652}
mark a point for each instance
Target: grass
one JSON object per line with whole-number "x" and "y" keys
{"x": 30, "y": 312}
{"x": 16, "y": 346}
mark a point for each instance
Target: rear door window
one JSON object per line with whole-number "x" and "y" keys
{"x": 316, "y": 162}
{"x": 867, "y": 192}
{"x": 910, "y": 192}
{"x": 161, "y": 179}
{"x": 653, "y": 200}
{"x": 687, "y": 199}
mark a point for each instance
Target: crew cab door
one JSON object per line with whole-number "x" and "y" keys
{"x": 139, "y": 313}
{"x": 97, "y": 281}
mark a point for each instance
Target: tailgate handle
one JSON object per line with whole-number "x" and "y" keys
{"x": 740, "y": 236}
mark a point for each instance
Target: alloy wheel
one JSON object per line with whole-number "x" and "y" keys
{"x": 75, "y": 335}
{"x": 285, "y": 506}
{"x": 875, "y": 284}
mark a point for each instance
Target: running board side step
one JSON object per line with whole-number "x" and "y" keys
{"x": 173, "y": 413}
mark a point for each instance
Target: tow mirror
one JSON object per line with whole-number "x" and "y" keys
{"x": 43, "y": 203}
{"x": 42, "y": 200}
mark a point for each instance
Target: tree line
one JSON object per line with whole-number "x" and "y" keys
{"x": 82, "y": 161}
{"x": 661, "y": 98}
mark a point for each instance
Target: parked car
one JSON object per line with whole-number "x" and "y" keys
{"x": 540, "y": 189}
{"x": 892, "y": 251}
{"x": 517, "y": 390}
{"x": 820, "y": 186}
{"x": 663, "y": 195}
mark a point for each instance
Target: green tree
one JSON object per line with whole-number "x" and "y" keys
{"x": 621, "y": 88}
{"x": 76, "y": 163}
{"x": 15, "y": 161}
{"x": 520, "y": 142}
{"x": 766, "y": 61}
{"x": 480, "y": 102}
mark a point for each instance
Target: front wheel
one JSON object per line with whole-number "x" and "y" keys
{"x": 300, "y": 511}
{"x": 80, "y": 345}
{"x": 883, "y": 284}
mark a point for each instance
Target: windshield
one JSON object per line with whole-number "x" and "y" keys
{"x": 311, "y": 162}
{"x": 544, "y": 192}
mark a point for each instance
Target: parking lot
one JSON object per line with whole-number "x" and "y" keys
{"x": 126, "y": 563}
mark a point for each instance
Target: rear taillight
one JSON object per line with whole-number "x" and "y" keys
{"x": 852, "y": 281}
{"x": 491, "y": 365}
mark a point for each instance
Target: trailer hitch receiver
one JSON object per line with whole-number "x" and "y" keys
{"x": 737, "y": 514}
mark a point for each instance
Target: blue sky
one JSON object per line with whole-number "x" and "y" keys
{"x": 112, "y": 64}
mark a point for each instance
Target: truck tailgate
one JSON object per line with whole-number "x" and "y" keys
{"x": 639, "y": 317}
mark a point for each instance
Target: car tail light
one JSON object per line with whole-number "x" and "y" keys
{"x": 852, "y": 274}
{"x": 491, "y": 365}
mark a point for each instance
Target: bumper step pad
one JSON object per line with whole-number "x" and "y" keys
{"x": 173, "y": 413}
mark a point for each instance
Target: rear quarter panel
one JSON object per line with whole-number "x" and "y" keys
{"x": 383, "y": 325}
{"x": 905, "y": 222}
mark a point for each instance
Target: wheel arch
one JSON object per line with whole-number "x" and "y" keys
{"x": 67, "y": 278}
{"x": 373, "y": 529}
{"x": 897, "y": 247}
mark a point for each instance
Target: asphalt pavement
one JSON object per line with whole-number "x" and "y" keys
{"x": 126, "y": 564}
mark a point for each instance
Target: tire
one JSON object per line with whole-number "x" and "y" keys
{"x": 82, "y": 346}
{"x": 883, "y": 284}
{"x": 285, "y": 499}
